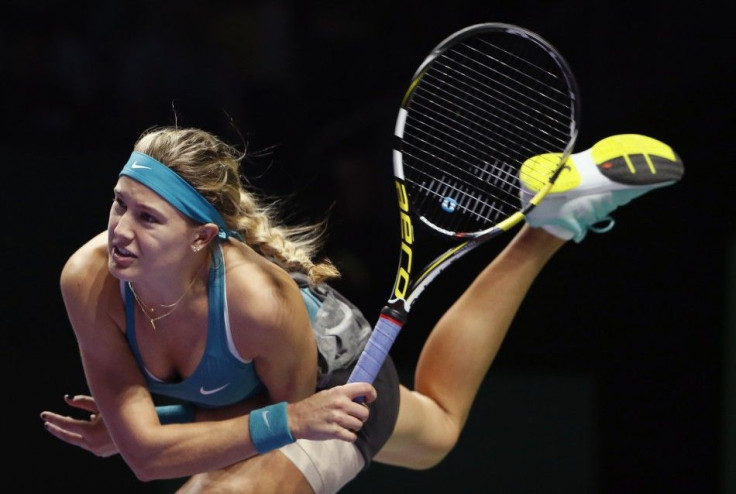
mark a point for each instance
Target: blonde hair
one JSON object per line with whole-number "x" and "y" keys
{"x": 213, "y": 168}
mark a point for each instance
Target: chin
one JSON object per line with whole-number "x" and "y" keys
{"x": 116, "y": 270}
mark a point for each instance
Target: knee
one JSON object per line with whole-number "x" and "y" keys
{"x": 436, "y": 453}
{"x": 212, "y": 482}
{"x": 430, "y": 452}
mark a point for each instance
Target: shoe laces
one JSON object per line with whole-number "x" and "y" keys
{"x": 603, "y": 225}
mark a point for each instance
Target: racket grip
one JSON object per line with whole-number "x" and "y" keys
{"x": 376, "y": 350}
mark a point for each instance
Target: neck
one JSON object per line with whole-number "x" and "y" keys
{"x": 166, "y": 292}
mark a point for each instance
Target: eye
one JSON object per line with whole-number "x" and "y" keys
{"x": 148, "y": 218}
{"x": 119, "y": 204}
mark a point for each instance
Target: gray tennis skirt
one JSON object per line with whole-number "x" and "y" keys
{"x": 342, "y": 332}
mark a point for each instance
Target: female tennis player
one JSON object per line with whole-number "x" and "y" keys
{"x": 198, "y": 293}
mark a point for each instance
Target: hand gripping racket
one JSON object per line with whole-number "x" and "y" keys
{"x": 492, "y": 105}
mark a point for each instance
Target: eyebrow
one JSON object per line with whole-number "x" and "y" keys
{"x": 146, "y": 207}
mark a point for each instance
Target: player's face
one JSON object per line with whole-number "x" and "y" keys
{"x": 146, "y": 235}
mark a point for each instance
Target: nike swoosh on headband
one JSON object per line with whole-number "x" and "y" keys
{"x": 176, "y": 191}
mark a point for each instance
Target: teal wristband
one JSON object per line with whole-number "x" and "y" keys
{"x": 269, "y": 427}
{"x": 175, "y": 414}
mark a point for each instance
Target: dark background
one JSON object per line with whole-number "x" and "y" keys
{"x": 616, "y": 375}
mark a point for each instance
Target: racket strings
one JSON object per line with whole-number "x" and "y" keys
{"x": 459, "y": 149}
{"x": 548, "y": 80}
{"x": 476, "y": 115}
{"x": 435, "y": 97}
{"x": 446, "y": 165}
{"x": 501, "y": 144}
{"x": 470, "y": 199}
{"x": 455, "y": 154}
{"x": 488, "y": 92}
{"x": 532, "y": 115}
{"x": 504, "y": 141}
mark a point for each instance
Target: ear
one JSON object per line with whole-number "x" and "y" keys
{"x": 204, "y": 235}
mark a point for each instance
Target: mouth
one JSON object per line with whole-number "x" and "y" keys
{"x": 122, "y": 252}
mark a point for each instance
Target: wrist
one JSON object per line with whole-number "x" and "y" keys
{"x": 175, "y": 414}
{"x": 269, "y": 427}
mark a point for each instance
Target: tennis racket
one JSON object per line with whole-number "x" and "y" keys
{"x": 491, "y": 107}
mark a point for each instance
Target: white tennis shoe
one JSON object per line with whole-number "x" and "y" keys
{"x": 593, "y": 183}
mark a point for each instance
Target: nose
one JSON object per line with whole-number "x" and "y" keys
{"x": 122, "y": 226}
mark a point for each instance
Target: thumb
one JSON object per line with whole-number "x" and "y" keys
{"x": 363, "y": 390}
{"x": 82, "y": 402}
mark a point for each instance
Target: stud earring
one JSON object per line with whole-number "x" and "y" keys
{"x": 196, "y": 248}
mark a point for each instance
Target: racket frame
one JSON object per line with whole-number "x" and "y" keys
{"x": 407, "y": 287}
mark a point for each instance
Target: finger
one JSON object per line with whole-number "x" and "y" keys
{"x": 66, "y": 435}
{"x": 76, "y": 426}
{"x": 360, "y": 411}
{"x": 345, "y": 433}
{"x": 352, "y": 424}
{"x": 371, "y": 396}
{"x": 83, "y": 402}
{"x": 349, "y": 419}
{"x": 360, "y": 389}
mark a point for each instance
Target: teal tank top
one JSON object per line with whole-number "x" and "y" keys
{"x": 221, "y": 378}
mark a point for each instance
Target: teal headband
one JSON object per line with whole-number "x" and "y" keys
{"x": 175, "y": 190}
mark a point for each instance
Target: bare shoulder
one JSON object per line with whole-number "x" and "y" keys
{"x": 90, "y": 257}
{"x": 87, "y": 285}
{"x": 263, "y": 300}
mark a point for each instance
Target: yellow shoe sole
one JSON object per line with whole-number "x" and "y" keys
{"x": 630, "y": 159}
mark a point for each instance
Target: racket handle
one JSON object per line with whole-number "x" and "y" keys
{"x": 376, "y": 350}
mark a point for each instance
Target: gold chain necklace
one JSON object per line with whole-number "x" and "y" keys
{"x": 146, "y": 309}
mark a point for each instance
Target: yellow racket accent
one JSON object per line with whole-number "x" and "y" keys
{"x": 535, "y": 174}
